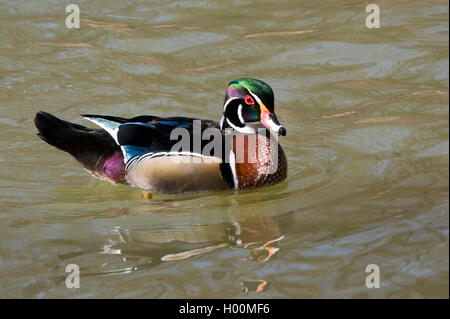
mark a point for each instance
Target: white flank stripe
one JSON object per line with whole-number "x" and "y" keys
{"x": 233, "y": 169}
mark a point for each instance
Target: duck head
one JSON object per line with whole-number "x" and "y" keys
{"x": 248, "y": 104}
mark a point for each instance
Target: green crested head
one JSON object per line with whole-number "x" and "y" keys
{"x": 240, "y": 87}
{"x": 249, "y": 102}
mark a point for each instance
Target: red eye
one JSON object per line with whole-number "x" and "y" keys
{"x": 249, "y": 100}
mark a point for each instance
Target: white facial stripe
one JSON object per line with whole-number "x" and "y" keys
{"x": 228, "y": 102}
{"x": 246, "y": 129}
{"x": 254, "y": 96}
{"x": 231, "y": 124}
{"x": 240, "y": 114}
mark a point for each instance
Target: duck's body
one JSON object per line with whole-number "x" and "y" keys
{"x": 209, "y": 155}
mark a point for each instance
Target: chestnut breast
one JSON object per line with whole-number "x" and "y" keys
{"x": 260, "y": 160}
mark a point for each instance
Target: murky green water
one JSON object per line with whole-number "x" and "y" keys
{"x": 366, "y": 112}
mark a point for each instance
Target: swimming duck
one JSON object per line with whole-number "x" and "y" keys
{"x": 145, "y": 151}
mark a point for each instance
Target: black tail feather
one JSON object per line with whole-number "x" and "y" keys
{"x": 91, "y": 147}
{"x": 54, "y": 131}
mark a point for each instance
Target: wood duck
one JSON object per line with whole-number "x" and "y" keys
{"x": 143, "y": 153}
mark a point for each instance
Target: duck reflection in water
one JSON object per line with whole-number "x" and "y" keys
{"x": 259, "y": 233}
